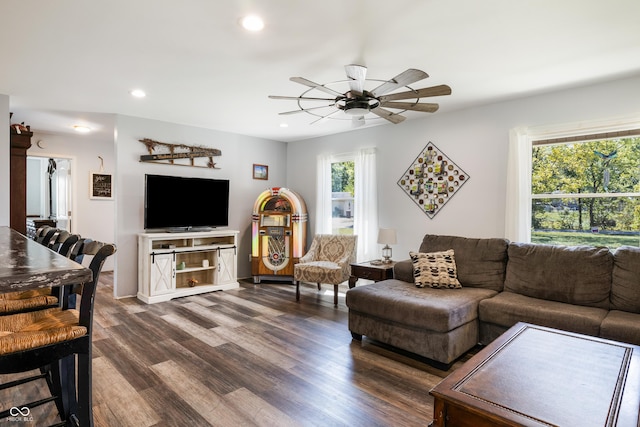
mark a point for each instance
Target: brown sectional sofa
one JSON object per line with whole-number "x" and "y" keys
{"x": 581, "y": 289}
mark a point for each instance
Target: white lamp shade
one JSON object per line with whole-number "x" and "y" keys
{"x": 387, "y": 236}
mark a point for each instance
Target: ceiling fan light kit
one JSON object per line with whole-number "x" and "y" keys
{"x": 357, "y": 105}
{"x": 358, "y": 102}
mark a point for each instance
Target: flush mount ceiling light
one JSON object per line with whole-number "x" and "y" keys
{"x": 81, "y": 128}
{"x": 138, "y": 93}
{"x": 252, "y": 23}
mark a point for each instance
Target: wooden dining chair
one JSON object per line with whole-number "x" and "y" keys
{"x": 40, "y": 232}
{"x": 53, "y": 340}
{"x": 48, "y": 235}
{"x": 60, "y": 238}
{"x": 36, "y": 299}
{"x": 76, "y": 253}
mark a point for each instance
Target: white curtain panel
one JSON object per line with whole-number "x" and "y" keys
{"x": 323, "y": 195}
{"x": 365, "y": 222}
{"x": 518, "y": 200}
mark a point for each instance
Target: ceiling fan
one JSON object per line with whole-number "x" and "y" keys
{"x": 358, "y": 101}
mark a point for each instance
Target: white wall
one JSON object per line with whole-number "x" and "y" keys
{"x": 92, "y": 218}
{"x": 476, "y": 139}
{"x": 36, "y": 171}
{"x": 239, "y": 153}
{"x": 5, "y": 152}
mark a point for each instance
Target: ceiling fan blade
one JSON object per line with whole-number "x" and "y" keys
{"x": 357, "y": 74}
{"x": 386, "y": 114}
{"x": 309, "y": 83}
{"x": 405, "y": 78}
{"x": 413, "y": 106}
{"x": 306, "y": 109}
{"x": 420, "y": 93}
{"x": 303, "y": 98}
{"x": 325, "y": 117}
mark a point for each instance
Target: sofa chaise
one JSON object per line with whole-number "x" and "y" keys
{"x": 582, "y": 289}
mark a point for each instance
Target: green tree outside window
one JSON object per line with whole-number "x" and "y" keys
{"x": 587, "y": 192}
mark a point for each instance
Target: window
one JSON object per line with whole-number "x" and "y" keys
{"x": 342, "y": 197}
{"x": 585, "y": 190}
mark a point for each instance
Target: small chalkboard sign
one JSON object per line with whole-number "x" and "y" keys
{"x": 101, "y": 186}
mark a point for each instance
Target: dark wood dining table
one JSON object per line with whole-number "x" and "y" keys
{"x": 26, "y": 264}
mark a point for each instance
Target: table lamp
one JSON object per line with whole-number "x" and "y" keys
{"x": 386, "y": 237}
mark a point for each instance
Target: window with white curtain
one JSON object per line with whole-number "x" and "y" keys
{"x": 575, "y": 185}
{"x": 347, "y": 198}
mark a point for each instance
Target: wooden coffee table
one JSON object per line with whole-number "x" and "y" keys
{"x": 536, "y": 376}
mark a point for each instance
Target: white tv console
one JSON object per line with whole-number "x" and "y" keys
{"x": 172, "y": 265}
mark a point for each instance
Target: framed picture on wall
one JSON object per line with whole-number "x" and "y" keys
{"x": 260, "y": 171}
{"x": 100, "y": 186}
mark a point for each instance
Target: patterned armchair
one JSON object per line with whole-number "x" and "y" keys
{"x": 328, "y": 261}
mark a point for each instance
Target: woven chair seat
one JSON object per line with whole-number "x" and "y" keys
{"x": 14, "y": 302}
{"x": 24, "y": 331}
{"x": 25, "y": 294}
{"x": 15, "y": 305}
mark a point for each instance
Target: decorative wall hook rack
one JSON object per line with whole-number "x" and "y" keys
{"x": 169, "y": 153}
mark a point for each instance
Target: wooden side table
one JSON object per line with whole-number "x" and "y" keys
{"x": 366, "y": 270}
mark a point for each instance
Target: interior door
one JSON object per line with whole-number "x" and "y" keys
{"x": 61, "y": 189}
{"x": 50, "y": 189}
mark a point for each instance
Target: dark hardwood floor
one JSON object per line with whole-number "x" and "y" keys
{"x": 245, "y": 357}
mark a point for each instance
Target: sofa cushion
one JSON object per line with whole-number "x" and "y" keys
{"x": 571, "y": 274}
{"x": 435, "y": 269}
{"x": 480, "y": 263}
{"x": 625, "y": 283}
{"x": 621, "y": 326}
{"x": 440, "y": 310}
{"x": 403, "y": 270}
{"x": 320, "y": 272}
{"x": 507, "y": 308}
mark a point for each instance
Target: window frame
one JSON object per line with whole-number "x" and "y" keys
{"x": 519, "y": 196}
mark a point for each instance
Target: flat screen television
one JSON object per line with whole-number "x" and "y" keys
{"x": 176, "y": 203}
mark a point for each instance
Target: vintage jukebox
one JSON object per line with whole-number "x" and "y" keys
{"x": 279, "y": 234}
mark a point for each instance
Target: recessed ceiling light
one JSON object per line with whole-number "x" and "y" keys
{"x": 284, "y": 125}
{"x": 81, "y": 128}
{"x": 138, "y": 93}
{"x": 252, "y": 23}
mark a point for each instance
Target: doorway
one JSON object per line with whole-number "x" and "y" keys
{"x": 49, "y": 190}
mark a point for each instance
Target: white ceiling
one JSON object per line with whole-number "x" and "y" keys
{"x": 70, "y": 62}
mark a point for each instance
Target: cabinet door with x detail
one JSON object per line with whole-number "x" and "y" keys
{"x": 163, "y": 277}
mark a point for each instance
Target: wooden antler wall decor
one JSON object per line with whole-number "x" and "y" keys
{"x": 178, "y": 151}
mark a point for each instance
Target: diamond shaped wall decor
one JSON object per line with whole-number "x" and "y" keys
{"x": 432, "y": 179}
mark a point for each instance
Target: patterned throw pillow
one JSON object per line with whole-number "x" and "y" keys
{"x": 435, "y": 270}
